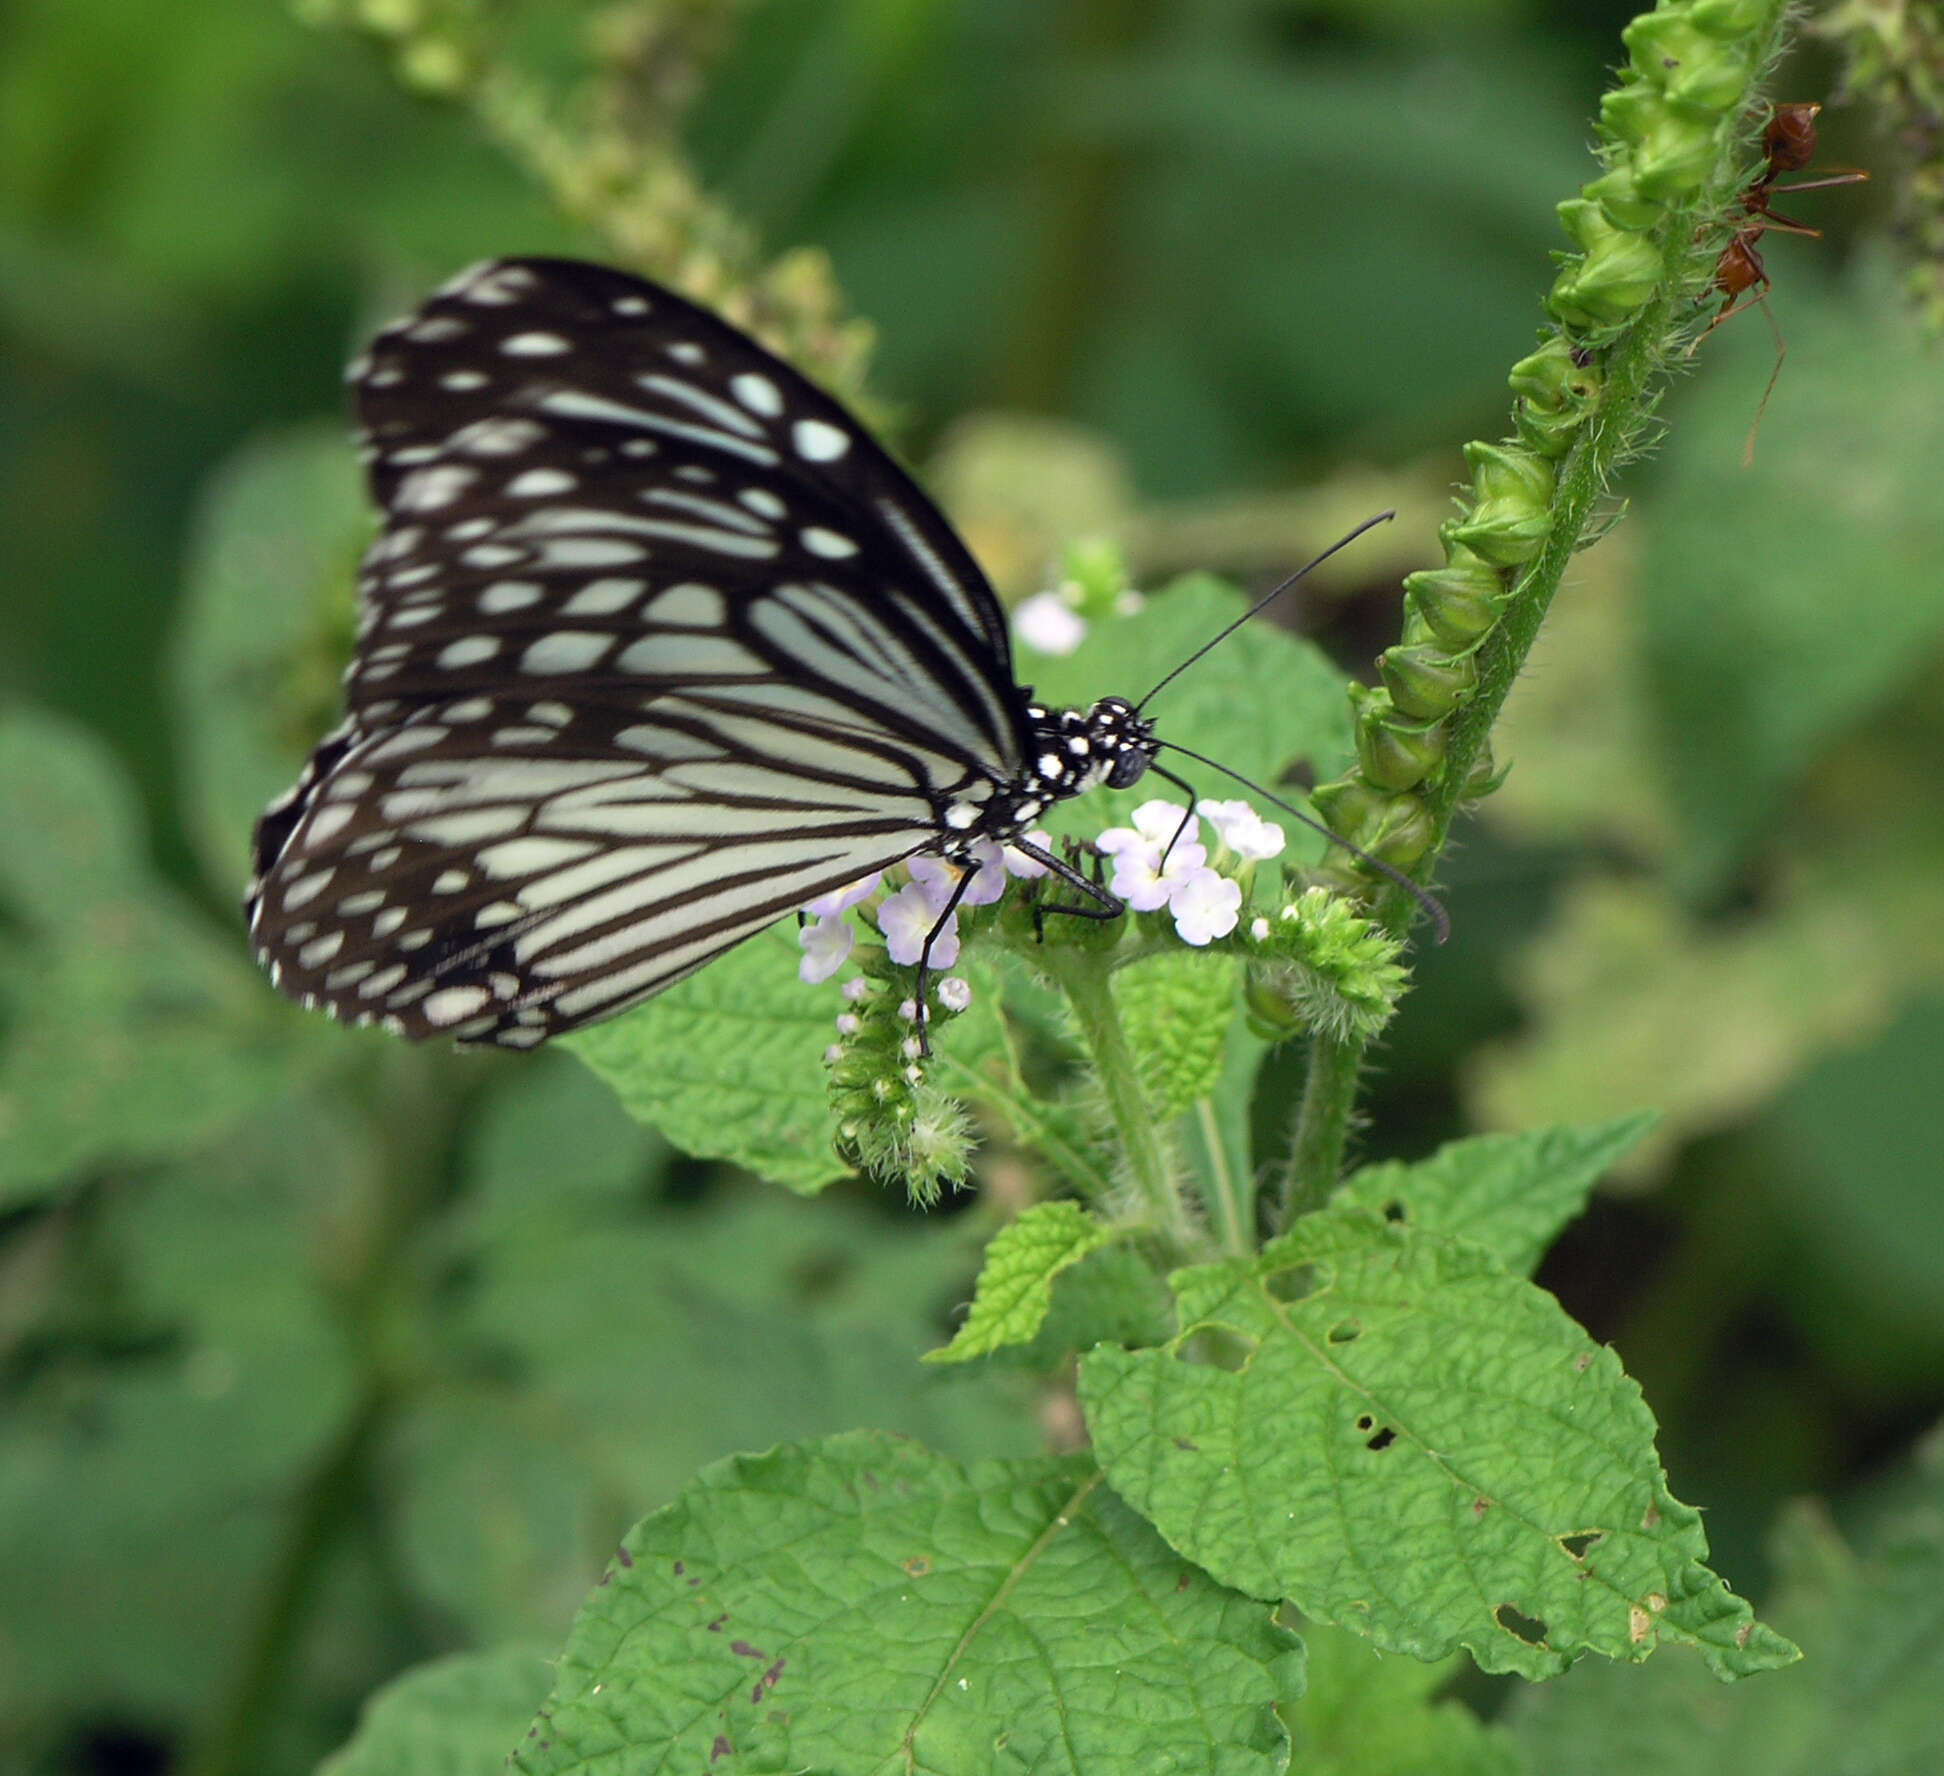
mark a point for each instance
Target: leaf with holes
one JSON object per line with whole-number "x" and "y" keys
{"x": 861, "y": 1604}
{"x": 1390, "y": 1430}
{"x": 1016, "y": 1284}
{"x": 1510, "y": 1193}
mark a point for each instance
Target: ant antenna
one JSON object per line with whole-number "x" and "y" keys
{"x": 1428, "y": 903}
{"x": 1267, "y": 598}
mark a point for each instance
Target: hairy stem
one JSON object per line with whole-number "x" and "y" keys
{"x": 1086, "y": 980}
{"x": 1679, "y": 134}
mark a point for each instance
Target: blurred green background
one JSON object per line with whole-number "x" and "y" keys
{"x": 319, "y": 1357}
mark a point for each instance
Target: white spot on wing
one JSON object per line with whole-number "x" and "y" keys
{"x": 602, "y": 598}
{"x": 828, "y": 543}
{"x": 508, "y": 595}
{"x": 818, "y": 441}
{"x": 565, "y": 650}
{"x": 757, "y": 393}
{"x": 535, "y": 345}
{"x": 536, "y": 482}
{"x": 469, "y": 650}
{"x": 450, "y": 1004}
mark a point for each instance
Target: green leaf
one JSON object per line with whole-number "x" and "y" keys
{"x": 1391, "y": 1431}
{"x": 598, "y": 1361}
{"x": 1369, "y": 1713}
{"x": 1510, "y": 1193}
{"x": 263, "y": 632}
{"x": 1176, "y": 1011}
{"x": 728, "y": 1064}
{"x": 1016, "y": 1285}
{"x": 1257, "y": 702}
{"x": 1864, "y": 1700}
{"x": 864, "y": 1605}
{"x": 451, "y": 1717}
{"x": 133, "y": 1029}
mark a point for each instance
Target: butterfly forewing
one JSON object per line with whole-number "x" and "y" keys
{"x": 593, "y": 484}
{"x": 655, "y": 646}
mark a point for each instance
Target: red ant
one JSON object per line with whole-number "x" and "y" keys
{"x": 1788, "y": 145}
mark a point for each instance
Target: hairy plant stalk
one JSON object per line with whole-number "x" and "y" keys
{"x": 1679, "y": 137}
{"x": 1086, "y": 980}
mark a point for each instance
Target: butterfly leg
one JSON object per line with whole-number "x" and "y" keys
{"x": 921, "y": 1003}
{"x": 1105, "y": 904}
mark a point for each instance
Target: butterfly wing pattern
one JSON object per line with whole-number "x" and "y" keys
{"x": 655, "y": 645}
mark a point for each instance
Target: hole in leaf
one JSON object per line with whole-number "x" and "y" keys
{"x": 1292, "y": 1284}
{"x": 1216, "y": 1347}
{"x": 1394, "y": 1210}
{"x": 1383, "y": 1440}
{"x": 1520, "y": 1626}
{"x": 1365, "y": 1422}
{"x": 1577, "y": 1545}
{"x": 1345, "y": 1332}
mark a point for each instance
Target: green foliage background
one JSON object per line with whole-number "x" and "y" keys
{"x": 319, "y": 1358}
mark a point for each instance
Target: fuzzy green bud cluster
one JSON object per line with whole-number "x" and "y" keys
{"x": 891, "y": 1120}
{"x": 1672, "y": 137}
{"x": 1322, "y": 964}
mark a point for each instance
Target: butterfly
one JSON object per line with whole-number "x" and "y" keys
{"x": 655, "y": 646}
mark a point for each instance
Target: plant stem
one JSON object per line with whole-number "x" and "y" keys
{"x": 1086, "y": 980}
{"x": 1632, "y": 361}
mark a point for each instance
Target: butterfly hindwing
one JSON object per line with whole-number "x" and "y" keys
{"x": 451, "y": 877}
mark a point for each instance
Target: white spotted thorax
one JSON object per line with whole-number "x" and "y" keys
{"x": 655, "y": 645}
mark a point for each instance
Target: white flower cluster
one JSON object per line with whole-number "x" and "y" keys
{"x": 1160, "y": 861}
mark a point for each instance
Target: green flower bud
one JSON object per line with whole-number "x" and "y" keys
{"x": 1394, "y": 755}
{"x": 1617, "y": 193}
{"x": 1457, "y": 603}
{"x": 1552, "y": 377}
{"x": 1728, "y": 18}
{"x": 1674, "y": 159}
{"x": 1509, "y": 476}
{"x": 1691, "y": 67}
{"x": 1618, "y": 274}
{"x": 1484, "y": 775}
{"x": 1506, "y": 534}
{"x": 1269, "y": 1004}
{"x": 1548, "y": 431}
{"x": 1426, "y": 684}
{"x": 1628, "y": 112}
{"x": 1395, "y": 829}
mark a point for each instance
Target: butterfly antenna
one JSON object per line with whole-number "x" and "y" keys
{"x": 1428, "y": 902}
{"x": 1267, "y": 598}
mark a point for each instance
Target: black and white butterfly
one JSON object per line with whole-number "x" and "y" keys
{"x": 656, "y": 645}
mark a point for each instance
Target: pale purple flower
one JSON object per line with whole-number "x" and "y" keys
{"x": 940, "y": 879}
{"x": 826, "y": 947}
{"x": 1242, "y": 829}
{"x": 1259, "y": 930}
{"x": 1049, "y": 625}
{"x": 857, "y": 989}
{"x": 848, "y": 1023}
{"x": 841, "y": 900}
{"x": 1144, "y": 877}
{"x": 954, "y": 994}
{"x": 1017, "y": 863}
{"x": 907, "y": 918}
{"x": 1205, "y": 906}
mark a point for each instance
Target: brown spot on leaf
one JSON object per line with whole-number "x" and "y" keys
{"x": 917, "y": 1566}
{"x": 1639, "y": 1624}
